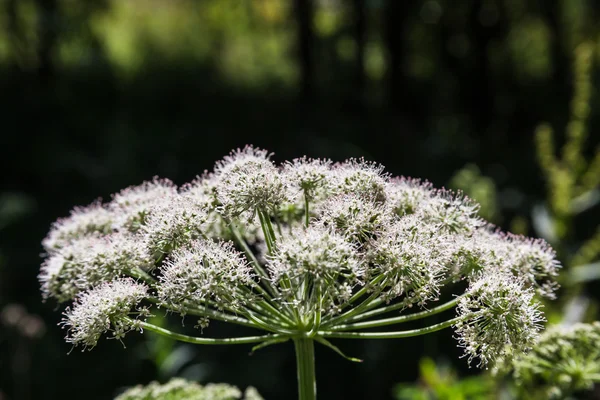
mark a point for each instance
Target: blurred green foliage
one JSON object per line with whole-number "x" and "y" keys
{"x": 438, "y": 381}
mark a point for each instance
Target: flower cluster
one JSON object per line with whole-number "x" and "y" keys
{"x": 564, "y": 360}
{"x": 180, "y": 389}
{"x": 310, "y": 247}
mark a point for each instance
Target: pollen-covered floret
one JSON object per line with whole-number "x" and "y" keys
{"x": 202, "y": 271}
{"x": 103, "y": 309}
{"x": 499, "y": 316}
{"x": 248, "y": 182}
{"x": 83, "y": 221}
{"x": 130, "y": 206}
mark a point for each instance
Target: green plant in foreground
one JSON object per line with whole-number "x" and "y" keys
{"x": 308, "y": 251}
{"x": 180, "y": 389}
{"x": 565, "y": 360}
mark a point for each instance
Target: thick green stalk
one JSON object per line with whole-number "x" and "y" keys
{"x": 305, "y": 365}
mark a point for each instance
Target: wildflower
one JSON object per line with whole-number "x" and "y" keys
{"x": 355, "y": 217}
{"x": 178, "y": 388}
{"x": 412, "y": 255}
{"x": 308, "y": 176}
{"x": 319, "y": 260}
{"x": 83, "y": 221}
{"x": 86, "y": 262}
{"x": 407, "y": 195}
{"x": 360, "y": 177}
{"x": 565, "y": 359}
{"x": 499, "y": 315}
{"x": 130, "y": 206}
{"x": 205, "y": 271}
{"x": 173, "y": 223}
{"x": 248, "y": 182}
{"x": 103, "y": 309}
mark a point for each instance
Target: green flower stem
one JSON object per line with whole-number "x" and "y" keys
{"x": 267, "y": 325}
{"x": 207, "y": 312}
{"x": 267, "y": 228}
{"x": 393, "y": 307}
{"x": 306, "y": 213}
{"x": 318, "y": 312}
{"x": 199, "y": 340}
{"x": 365, "y": 289}
{"x": 264, "y": 308}
{"x": 305, "y": 366}
{"x": 254, "y": 261}
{"x": 364, "y": 306}
{"x": 138, "y": 273}
{"x": 397, "y": 320}
{"x": 391, "y": 335}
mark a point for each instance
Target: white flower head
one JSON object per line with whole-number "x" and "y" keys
{"x": 202, "y": 190}
{"x": 360, "y": 177}
{"x": 453, "y": 211}
{"x": 131, "y": 205}
{"x": 248, "y": 181}
{"x": 89, "y": 261}
{"x": 321, "y": 260}
{"x": 358, "y": 218}
{"x": 205, "y": 270}
{"x": 103, "y": 309}
{"x": 310, "y": 177}
{"x": 535, "y": 261}
{"x": 173, "y": 223}
{"x": 499, "y": 315}
{"x": 413, "y": 256}
{"x": 83, "y": 221}
{"x": 407, "y": 195}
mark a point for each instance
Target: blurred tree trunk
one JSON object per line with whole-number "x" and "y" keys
{"x": 360, "y": 36}
{"x": 395, "y": 14}
{"x": 48, "y": 21}
{"x": 304, "y": 11}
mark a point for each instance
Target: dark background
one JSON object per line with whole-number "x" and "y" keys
{"x": 99, "y": 95}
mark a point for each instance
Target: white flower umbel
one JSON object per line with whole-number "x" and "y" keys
{"x": 103, "y": 309}
{"x": 315, "y": 269}
{"x": 174, "y": 223}
{"x": 307, "y": 251}
{"x": 131, "y": 205}
{"x": 499, "y": 316}
{"x": 249, "y": 182}
{"x": 203, "y": 272}
{"x": 83, "y": 221}
{"x": 91, "y": 260}
{"x": 413, "y": 257}
{"x": 565, "y": 360}
{"x": 357, "y": 218}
